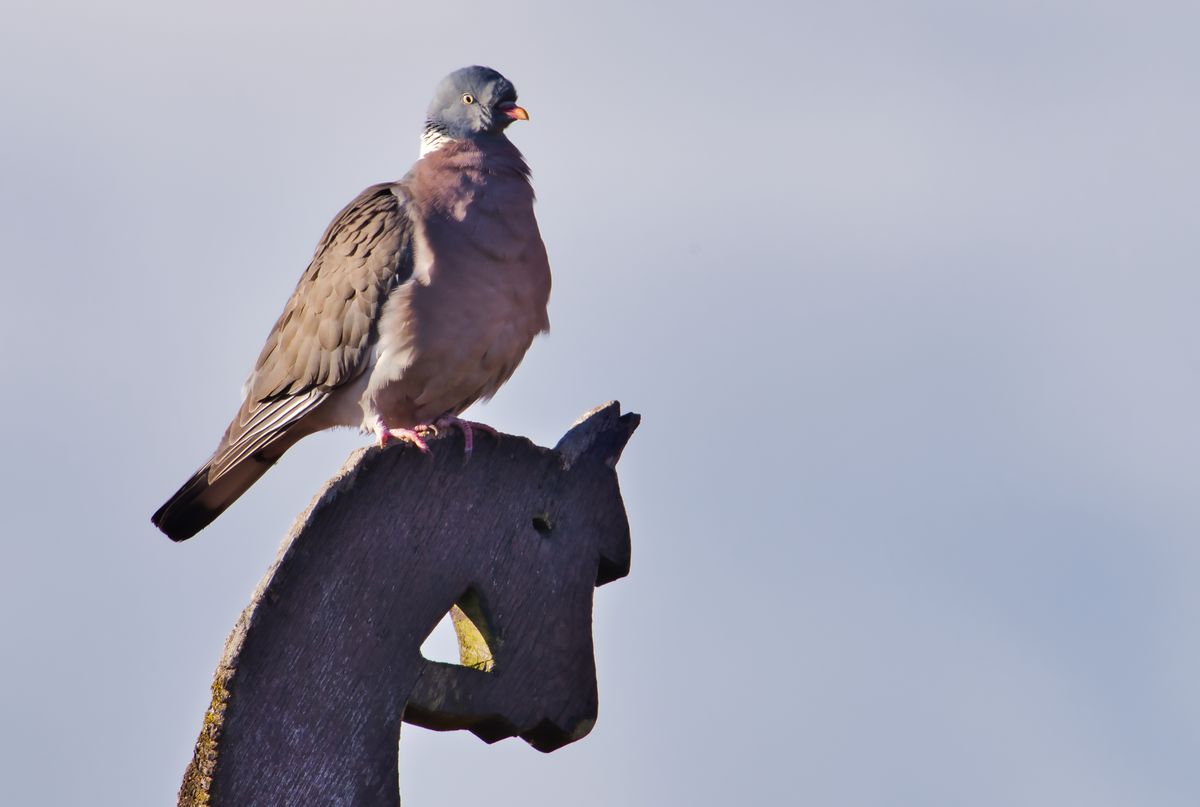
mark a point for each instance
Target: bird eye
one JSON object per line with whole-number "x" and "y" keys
{"x": 468, "y": 98}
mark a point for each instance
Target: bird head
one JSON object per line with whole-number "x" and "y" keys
{"x": 471, "y": 102}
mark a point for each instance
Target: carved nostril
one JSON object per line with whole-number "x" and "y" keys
{"x": 542, "y": 523}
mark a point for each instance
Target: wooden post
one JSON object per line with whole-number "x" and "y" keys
{"x": 325, "y": 661}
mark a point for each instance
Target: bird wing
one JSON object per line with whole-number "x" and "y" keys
{"x": 323, "y": 338}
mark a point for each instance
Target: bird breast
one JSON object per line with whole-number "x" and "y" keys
{"x": 458, "y": 328}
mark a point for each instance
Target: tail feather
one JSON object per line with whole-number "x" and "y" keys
{"x": 200, "y": 500}
{"x": 240, "y": 459}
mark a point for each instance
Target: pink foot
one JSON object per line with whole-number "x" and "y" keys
{"x": 468, "y": 428}
{"x": 411, "y": 436}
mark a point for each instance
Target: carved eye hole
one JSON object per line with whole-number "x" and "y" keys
{"x": 468, "y": 98}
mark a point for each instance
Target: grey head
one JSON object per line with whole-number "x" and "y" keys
{"x": 470, "y": 103}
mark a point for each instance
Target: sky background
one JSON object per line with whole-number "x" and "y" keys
{"x": 905, "y": 292}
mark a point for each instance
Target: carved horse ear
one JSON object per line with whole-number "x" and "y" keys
{"x": 594, "y": 444}
{"x": 600, "y": 434}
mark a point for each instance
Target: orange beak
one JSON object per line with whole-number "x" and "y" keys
{"x": 513, "y": 111}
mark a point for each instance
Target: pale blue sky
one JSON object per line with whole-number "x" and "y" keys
{"x": 906, "y": 294}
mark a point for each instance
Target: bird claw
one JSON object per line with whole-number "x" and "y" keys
{"x": 417, "y": 434}
{"x": 468, "y": 429}
{"x": 413, "y": 437}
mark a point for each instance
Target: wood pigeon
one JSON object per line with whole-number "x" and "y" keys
{"x": 421, "y": 298}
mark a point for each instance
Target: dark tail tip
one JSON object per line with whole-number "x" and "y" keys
{"x": 201, "y": 499}
{"x": 184, "y": 515}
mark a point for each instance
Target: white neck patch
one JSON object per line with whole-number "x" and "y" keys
{"x": 432, "y": 140}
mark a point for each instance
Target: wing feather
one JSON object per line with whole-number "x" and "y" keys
{"x": 322, "y": 339}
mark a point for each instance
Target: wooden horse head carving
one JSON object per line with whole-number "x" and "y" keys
{"x": 325, "y": 662}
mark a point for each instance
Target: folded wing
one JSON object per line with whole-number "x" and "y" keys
{"x": 321, "y": 341}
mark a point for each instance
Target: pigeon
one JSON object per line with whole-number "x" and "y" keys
{"x": 422, "y": 297}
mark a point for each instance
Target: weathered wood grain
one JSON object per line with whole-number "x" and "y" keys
{"x": 325, "y": 662}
